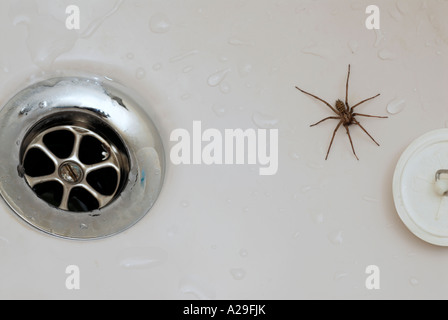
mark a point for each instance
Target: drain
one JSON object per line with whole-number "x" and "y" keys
{"x": 90, "y": 161}
{"x": 77, "y": 158}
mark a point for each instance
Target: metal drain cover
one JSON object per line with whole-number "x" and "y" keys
{"x": 79, "y": 157}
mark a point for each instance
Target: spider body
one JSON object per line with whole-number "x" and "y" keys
{"x": 345, "y": 114}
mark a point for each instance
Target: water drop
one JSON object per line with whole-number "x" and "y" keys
{"x": 316, "y": 50}
{"x": 215, "y": 79}
{"x": 219, "y": 110}
{"x": 224, "y": 87}
{"x": 238, "y": 42}
{"x": 43, "y": 104}
{"x": 386, "y": 54}
{"x": 244, "y": 253}
{"x": 335, "y": 237}
{"x": 142, "y": 258}
{"x": 379, "y": 37}
{"x": 353, "y": 45}
{"x": 187, "y": 69}
{"x": 264, "y": 121}
{"x": 140, "y": 73}
{"x": 414, "y": 282}
{"x": 238, "y": 274}
{"x": 294, "y": 155}
{"x": 306, "y": 189}
{"x": 159, "y": 23}
{"x": 318, "y": 217}
{"x": 183, "y": 56}
{"x": 83, "y": 226}
{"x": 184, "y": 204}
{"x": 130, "y": 56}
{"x": 396, "y": 106}
{"x": 157, "y": 67}
{"x": 296, "y": 234}
{"x": 197, "y": 286}
{"x": 340, "y": 276}
{"x": 245, "y": 69}
{"x": 246, "y": 209}
{"x": 370, "y": 199}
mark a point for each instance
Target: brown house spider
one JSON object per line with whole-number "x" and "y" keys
{"x": 345, "y": 115}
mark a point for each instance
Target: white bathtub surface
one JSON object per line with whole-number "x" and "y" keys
{"x": 225, "y": 232}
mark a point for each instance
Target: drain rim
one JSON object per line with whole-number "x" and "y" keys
{"x": 122, "y": 110}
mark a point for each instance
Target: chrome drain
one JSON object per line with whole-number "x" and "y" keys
{"x": 89, "y": 162}
{"x": 86, "y": 166}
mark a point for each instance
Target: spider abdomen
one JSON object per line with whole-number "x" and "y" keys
{"x": 340, "y": 106}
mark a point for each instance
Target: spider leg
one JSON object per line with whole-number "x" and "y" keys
{"x": 331, "y": 143}
{"x": 368, "y": 115}
{"x": 351, "y": 142}
{"x": 346, "y": 88}
{"x": 324, "y": 120}
{"x": 357, "y": 122}
{"x": 315, "y": 97}
{"x": 364, "y": 101}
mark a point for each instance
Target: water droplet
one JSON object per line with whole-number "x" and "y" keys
{"x": 396, "y": 106}
{"x": 187, "y": 69}
{"x": 238, "y": 42}
{"x": 306, "y": 189}
{"x": 185, "y": 204}
{"x": 386, "y": 54}
{"x": 43, "y": 104}
{"x": 379, "y": 37}
{"x": 185, "y": 96}
{"x": 245, "y": 69}
{"x": 294, "y": 155}
{"x": 264, "y": 121}
{"x": 130, "y": 56}
{"x": 215, "y": 79}
{"x": 26, "y": 109}
{"x": 225, "y": 87}
{"x": 246, "y": 209}
{"x": 3, "y": 241}
{"x": 140, "y": 73}
{"x": 370, "y": 199}
{"x": 244, "y": 253}
{"x": 414, "y": 282}
{"x": 315, "y": 165}
{"x": 83, "y": 226}
{"x": 318, "y": 217}
{"x": 296, "y": 234}
{"x": 159, "y": 23}
{"x": 335, "y": 237}
{"x": 316, "y": 50}
{"x": 197, "y": 286}
{"x": 157, "y": 67}
{"x": 340, "y": 276}
{"x": 183, "y": 56}
{"x": 238, "y": 274}
{"x": 142, "y": 258}
{"x": 353, "y": 45}
{"x": 219, "y": 110}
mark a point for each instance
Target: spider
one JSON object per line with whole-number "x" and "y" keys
{"x": 345, "y": 114}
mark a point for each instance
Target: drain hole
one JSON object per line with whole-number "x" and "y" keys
{"x": 60, "y": 143}
{"x": 38, "y": 164}
{"x": 91, "y": 151}
{"x": 82, "y": 201}
{"x": 50, "y": 192}
{"x": 104, "y": 181}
